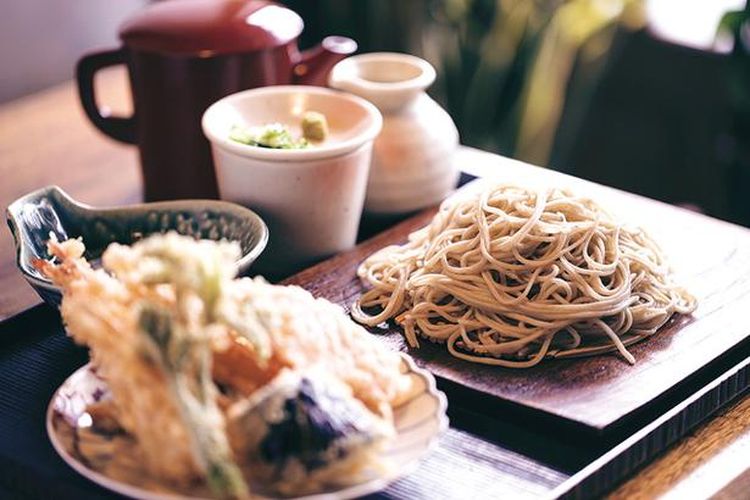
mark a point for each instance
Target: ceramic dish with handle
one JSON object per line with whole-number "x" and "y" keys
{"x": 109, "y": 460}
{"x": 32, "y": 218}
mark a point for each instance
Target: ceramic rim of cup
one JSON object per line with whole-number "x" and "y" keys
{"x": 420, "y": 73}
{"x": 209, "y": 123}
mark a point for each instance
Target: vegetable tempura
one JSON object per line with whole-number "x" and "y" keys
{"x": 188, "y": 352}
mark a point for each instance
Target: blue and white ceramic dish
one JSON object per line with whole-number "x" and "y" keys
{"x": 110, "y": 460}
{"x": 32, "y": 218}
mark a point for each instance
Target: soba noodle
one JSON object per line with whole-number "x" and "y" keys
{"x": 509, "y": 276}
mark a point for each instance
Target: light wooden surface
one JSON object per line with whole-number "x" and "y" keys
{"x": 712, "y": 461}
{"x": 45, "y": 139}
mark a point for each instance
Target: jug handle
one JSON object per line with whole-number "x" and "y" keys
{"x": 117, "y": 127}
{"x": 314, "y": 64}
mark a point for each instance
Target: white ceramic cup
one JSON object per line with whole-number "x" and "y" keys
{"x": 312, "y": 198}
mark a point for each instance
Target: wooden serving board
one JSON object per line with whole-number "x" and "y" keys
{"x": 603, "y": 394}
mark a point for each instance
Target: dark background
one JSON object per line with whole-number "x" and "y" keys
{"x": 652, "y": 116}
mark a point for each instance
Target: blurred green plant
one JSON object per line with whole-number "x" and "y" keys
{"x": 578, "y": 30}
{"x": 735, "y": 26}
{"x": 507, "y": 68}
{"x": 506, "y": 83}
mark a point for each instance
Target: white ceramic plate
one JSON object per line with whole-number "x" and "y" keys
{"x": 419, "y": 421}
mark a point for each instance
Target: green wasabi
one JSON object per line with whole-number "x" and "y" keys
{"x": 273, "y": 136}
{"x": 277, "y": 136}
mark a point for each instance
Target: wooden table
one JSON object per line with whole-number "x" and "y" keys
{"x": 45, "y": 139}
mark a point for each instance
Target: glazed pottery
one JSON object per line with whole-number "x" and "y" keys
{"x": 34, "y": 217}
{"x": 419, "y": 421}
{"x": 183, "y": 55}
{"x": 413, "y": 157}
{"x": 311, "y": 198}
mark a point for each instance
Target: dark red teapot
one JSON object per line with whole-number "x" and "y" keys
{"x": 183, "y": 55}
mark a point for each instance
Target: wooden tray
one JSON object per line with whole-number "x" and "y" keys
{"x": 599, "y": 396}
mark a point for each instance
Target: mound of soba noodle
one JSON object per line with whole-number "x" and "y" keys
{"x": 509, "y": 276}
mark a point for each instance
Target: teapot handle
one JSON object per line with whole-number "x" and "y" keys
{"x": 117, "y": 127}
{"x": 315, "y": 63}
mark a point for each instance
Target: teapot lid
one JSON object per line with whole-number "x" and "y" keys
{"x": 209, "y": 27}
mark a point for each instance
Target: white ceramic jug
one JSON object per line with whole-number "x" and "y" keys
{"x": 413, "y": 157}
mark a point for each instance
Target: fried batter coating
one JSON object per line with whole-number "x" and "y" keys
{"x": 101, "y": 312}
{"x": 168, "y": 325}
{"x": 149, "y": 337}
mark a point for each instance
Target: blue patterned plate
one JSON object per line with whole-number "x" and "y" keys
{"x": 111, "y": 460}
{"x": 32, "y": 218}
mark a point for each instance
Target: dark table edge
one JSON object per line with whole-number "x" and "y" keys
{"x": 640, "y": 448}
